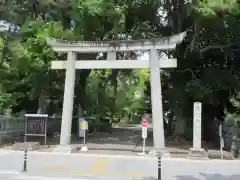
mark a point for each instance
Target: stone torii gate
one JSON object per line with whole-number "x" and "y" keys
{"x": 111, "y": 47}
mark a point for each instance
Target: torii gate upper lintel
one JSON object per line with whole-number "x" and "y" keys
{"x": 119, "y": 45}
{"x": 111, "y": 47}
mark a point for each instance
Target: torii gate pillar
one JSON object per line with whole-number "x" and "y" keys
{"x": 68, "y": 98}
{"x": 156, "y": 100}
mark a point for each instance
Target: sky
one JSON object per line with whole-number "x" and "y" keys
{"x": 144, "y": 56}
{"x": 6, "y": 26}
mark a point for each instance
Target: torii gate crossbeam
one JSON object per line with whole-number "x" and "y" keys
{"x": 114, "y": 64}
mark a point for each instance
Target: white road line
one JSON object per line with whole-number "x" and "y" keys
{"x": 4, "y": 153}
{"x": 10, "y": 172}
{"x": 96, "y": 155}
{"x": 26, "y": 177}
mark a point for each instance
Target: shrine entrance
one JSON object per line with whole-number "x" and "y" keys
{"x": 153, "y": 46}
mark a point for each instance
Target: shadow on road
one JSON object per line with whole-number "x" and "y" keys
{"x": 205, "y": 176}
{"x": 146, "y": 178}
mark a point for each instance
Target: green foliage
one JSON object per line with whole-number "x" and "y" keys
{"x": 235, "y": 101}
{"x": 5, "y": 100}
{"x": 128, "y": 99}
{"x": 32, "y": 56}
{"x": 208, "y": 66}
{"x": 233, "y": 114}
{"x": 211, "y": 8}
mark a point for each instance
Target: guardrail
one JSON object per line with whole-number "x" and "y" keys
{"x": 230, "y": 137}
{"x": 13, "y": 128}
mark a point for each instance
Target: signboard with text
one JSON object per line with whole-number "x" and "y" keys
{"x": 197, "y": 125}
{"x": 144, "y": 132}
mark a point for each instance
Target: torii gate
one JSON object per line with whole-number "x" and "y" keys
{"x": 111, "y": 47}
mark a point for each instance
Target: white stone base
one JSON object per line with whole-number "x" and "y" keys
{"x": 64, "y": 149}
{"x": 197, "y": 153}
{"x": 30, "y": 146}
{"x": 142, "y": 154}
{"x": 163, "y": 153}
{"x": 84, "y": 148}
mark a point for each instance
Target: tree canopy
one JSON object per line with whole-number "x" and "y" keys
{"x": 208, "y": 60}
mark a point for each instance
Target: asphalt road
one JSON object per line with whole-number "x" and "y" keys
{"x": 51, "y": 166}
{"x": 59, "y": 166}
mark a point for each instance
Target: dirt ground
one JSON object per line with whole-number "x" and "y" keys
{"x": 121, "y": 141}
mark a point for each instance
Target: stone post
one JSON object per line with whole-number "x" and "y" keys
{"x": 156, "y": 99}
{"x": 68, "y": 99}
{"x": 197, "y": 151}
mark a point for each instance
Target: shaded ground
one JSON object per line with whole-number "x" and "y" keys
{"x": 200, "y": 169}
{"x": 125, "y": 140}
{"x": 206, "y": 176}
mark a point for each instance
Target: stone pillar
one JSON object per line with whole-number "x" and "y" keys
{"x": 111, "y": 55}
{"x": 197, "y": 125}
{"x": 68, "y": 98}
{"x": 197, "y": 151}
{"x": 156, "y": 100}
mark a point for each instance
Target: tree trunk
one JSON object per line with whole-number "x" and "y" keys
{"x": 42, "y": 104}
{"x": 179, "y": 126}
{"x": 114, "y": 84}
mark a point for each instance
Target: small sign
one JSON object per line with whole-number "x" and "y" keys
{"x": 145, "y": 123}
{"x": 197, "y": 125}
{"x": 222, "y": 142}
{"x": 84, "y": 125}
{"x": 197, "y": 111}
{"x": 144, "y": 132}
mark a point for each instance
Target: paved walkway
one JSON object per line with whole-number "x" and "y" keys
{"x": 86, "y": 165}
{"x": 22, "y": 176}
{"x": 60, "y": 166}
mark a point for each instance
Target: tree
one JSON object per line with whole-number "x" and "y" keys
{"x": 211, "y": 47}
